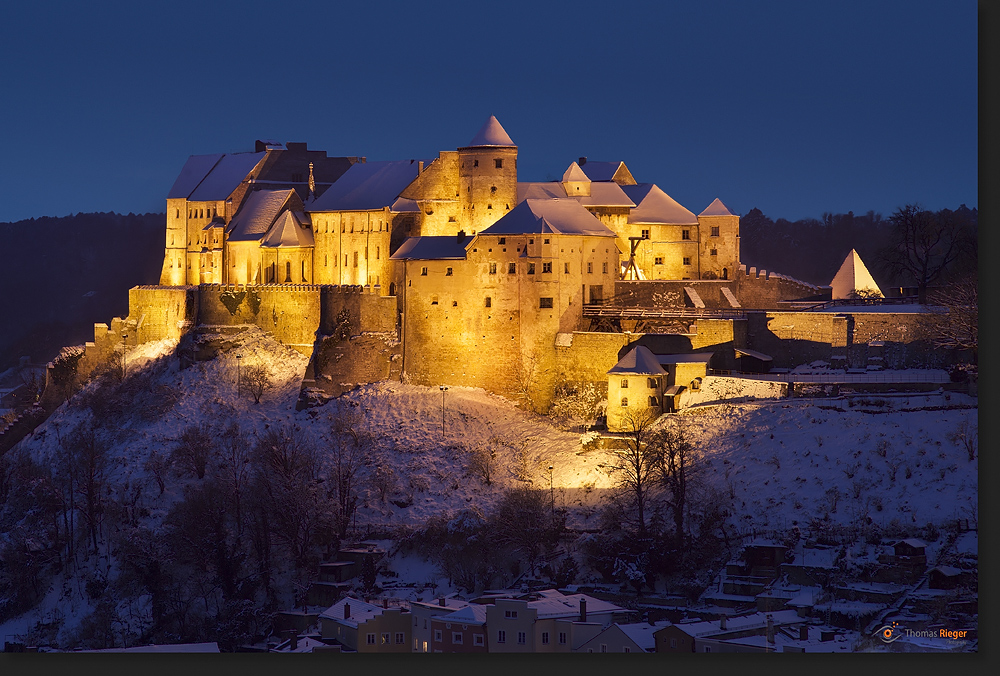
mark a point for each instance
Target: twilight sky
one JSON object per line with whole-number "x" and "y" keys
{"x": 797, "y": 108}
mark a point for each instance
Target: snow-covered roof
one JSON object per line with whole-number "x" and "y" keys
{"x": 257, "y": 214}
{"x": 853, "y": 276}
{"x": 605, "y": 171}
{"x": 948, "y": 571}
{"x": 641, "y": 633}
{"x": 304, "y": 644}
{"x": 431, "y": 248}
{"x": 574, "y": 173}
{"x": 367, "y": 185}
{"x": 751, "y": 353}
{"x": 194, "y": 170}
{"x": 491, "y": 134}
{"x": 655, "y": 206}
{"x": 639, "y": 361}
{"x": 717, "y": 208}
{"x": 556, "y": 604}
{"x": 404, "y": 205}
{"x": 913, "y": 542}
{"x": 470, "y": 614}
{"x": 291, "y": 229}
{"x": 360, "y": 611}
{"x": 226, "y": 176}
{"x": 686, "y": 358}
{"x": 601, "y": 194}
{"x": 556, "y": 216}
{"x": 739, "y": 623}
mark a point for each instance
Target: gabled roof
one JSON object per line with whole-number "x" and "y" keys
{"x": 404, "y": 205}
{"x": 258, "y": 212}
{"x": 655, "y": 206}
{"x": 360, "y": 611}
{"x": 601, "y": 194}
{"x": 717, "y": 208}
{"x": 366, "y": 186}
{"x": 194, "y": 171}
{"x": 556, "y": 604}
{"x": 852, "y": 276}
{"x": 641, "y": 633}
{"x": 471, "y": 614}
{"x": 431, "y": 248}
{"x": 557, "y": 216}
{"x": 291, "y": 229}
{"x": 606, "y": 171}
{"x": 226, "y": 176}
{"x": 574, "y": 173}
{"x": 491, "y": 134}
{"x": 638, "y": 361}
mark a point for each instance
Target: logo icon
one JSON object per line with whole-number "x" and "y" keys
{"x": 888, "y": 632}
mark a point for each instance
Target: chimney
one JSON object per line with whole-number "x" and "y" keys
{"x": 770, "y": 629}
{"x": 461, "y": 236}
{"x": 582, "y": 161}
{"x": 722, "y": 622}
{"x": 583, "y": 610}
{"x": 385, "y": 603}
{"x": 420, "y": 167}
{"x": 804, "y": 633}
{"x": 441, "y": 602}
{"x": 347, "y": 610}
{"x": 294, "y": 636}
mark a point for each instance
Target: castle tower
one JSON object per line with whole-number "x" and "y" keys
{"x": 487, "y": 170}
{"x": 719, "y": 242}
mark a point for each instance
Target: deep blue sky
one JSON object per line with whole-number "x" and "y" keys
{"x": 795, "y": 107}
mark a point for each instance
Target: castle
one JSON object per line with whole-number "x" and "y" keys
{"x": 449, "y": 270}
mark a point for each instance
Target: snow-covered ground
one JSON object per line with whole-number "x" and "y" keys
{"x": 776, "y": 462}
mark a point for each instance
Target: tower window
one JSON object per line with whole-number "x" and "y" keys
{"x": 499, "y": 163}
{"x": 653, "y": 402}
{"x": 288, "y": 271}
{"x": 715, "y": 231}
{"x": 493, "y": 190}
{"x": 531, "y": 268}
{"x": 378, "y": 253}
{"x": 493, "y": 268}
{"x": 511, "y": 268}
{"x": 503, "y": 240}
{"x": 454, "y": 303}
{"x": 423, "y": 272}
{"x": 687, "y": 260}
{"x": 714, "y": 252}
{"x": 475, "y": 163}
{"x": 624, "y": 383}
{"x": 448, "y": 273}
{"x": 545, "y": 241}
{"x": 544, "y": 302}
{"x": 685, "y": 234}
{"x": 645, "y": 234}
{"x": 546, "y": 267}
{"x": 604, "y": 268}
{"x": 355, "y": 259}
{"x": 653, "y": 383}
{"x": 489, "y": 302}
{"x": 434, "y": 300}
{"x": 566, "y": 268}
{"x": 590, "y": 268}
{"x": 658, "y": 260}
{"x": 624, "y": 402}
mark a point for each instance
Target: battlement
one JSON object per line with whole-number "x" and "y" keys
{"x": 768, "y": 289}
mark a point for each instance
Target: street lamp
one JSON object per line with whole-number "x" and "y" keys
{"x": 443, "y": 389}
{"x": 124, "y": 362}
{"x": 552, "y": 494}
{"x": 238, "y": 357}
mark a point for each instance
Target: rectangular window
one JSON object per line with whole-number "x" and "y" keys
{"x": 498, "y": 163}
{"x": 626, "y": 649}
{"x": 604, "y": 268}
{"x": 511, "y": 268}
{"x": 423, "y": 272}
{"x": 545, "y": 241}
{"x": 448, "y": 273}
{"x": 645, "y": 234}
{"x": 371, "y": 639}
{"x": 522, "y": 638}
{"x": 378, "y": 253}
{"x": 438, "y": 635}
{"x": 510, "y": 614}
{"x": 673, "y": 643}
{"x": 489, "y": 302}
{"x": 531, "y": 241}
{"x": 531, "y": 268}
{"x": 477, "y": 639}
{"x": 687, "y": 260}
{"x": 456, "y": 637}
{"x": 544, "y": 302}
{"x": 604, "y": 647}
{"x": 355, "y": 259}
{"x": 562, "y": 638}
{"x": 590, "y": 268}
{"x": 546, "y": 267}
{"x": 624, "y": 402}
{"x": 624, "y": 383}
{"x": 493, "y": 268}
{"x": 566, "y": 268}
{"x": 385, "y": 638}
{"x": 685, "y": 234}
{"x": 501, "y": 636}
{"x": 545, "y": 638}
{"x": 715, "y": 231}
{"x": 653, "y": 383}
{"x": 713, "y": 252}
{"x": 653, "y": 402}
{"x": 503, "y": 240}
{"x": 434, "y": 300}
{"x": 400, "y": 638}
{"x": 658, "y": 260}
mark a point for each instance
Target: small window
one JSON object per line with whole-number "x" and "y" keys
{"x": 400, "y": 638}
{"x": 477, "y": 639}
{"x": 493, "y": 189}
{"x": 604, "y": 647}
{"x": 177, "y": 213}
{"x": 493, "y": 268}
{"x": 511, "y": 268}
{"x": 454, "y": 303}
{"x": 713, "y": 252}
{"x": 545, "y": 241}
{"x": 566, "y": 268}
{"x": 510, "y": 614}
{"x": 378, "y": 253}
{"x": 624, "y": 402}
{"x": 687, "y": 260}
{"x": 489, "y": 301}
{"x": 673, "y": 643}
{"x": 501, "y": 636}
{"x": 456, "y": 637}
{"x": 545, "y": 638}
{"x": 590, "y": 268}
{"x": 531, "y": 241}
{"x": 658, "y": 260}
{"x": 653, "y": 402}
{"x": 438, "y": 635}
{"x": 371, "y": 639}
{"x": 475, "y": 163}
{"x": 715, "y": 231}
{"x": 355, "y": 259}
{"x": 653, "y": 383}
{"x": 503, "y": 240}
{"x": 288, "y": 271}
{"x": 498, "y": 163}
{"x": 624, "y": 383}
{"x": 604, "y": 268}
{"x": 562, "y": 638}
{"x": 708, "y": 648}
{"x": 531, "y": 268}
{"x": 434, "y": 300}
{"x": 449, "y": 272}
{"x": 685, "y": 234}
{"x": 423, "y": 272}
{"x": 522, "y": 638}
{"x": 544, "y": 302}
{"x": 385, "y": 639}
{"x": 546, "y": 267}
{"x": 645, "y": 234}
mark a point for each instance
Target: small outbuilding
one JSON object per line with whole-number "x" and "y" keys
{"x": 635, "y": 388}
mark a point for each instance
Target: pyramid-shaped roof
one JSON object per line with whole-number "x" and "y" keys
{"x": 717, "y": 208}
{"x": 491, "y": 134}
{"x": 575, "y": 173}
{"x": 291, "y": 229}
{"x": 853, "y": 276}
{"x": 656, "y": 206}
{"x": 639, "y": 361}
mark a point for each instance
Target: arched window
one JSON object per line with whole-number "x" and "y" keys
{"x": 725, "y": 273}
{"x": 392, "y": 288}
{"x": 624, "y": 402}
{"x": 288, "y": 271}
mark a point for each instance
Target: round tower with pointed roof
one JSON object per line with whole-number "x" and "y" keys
{"x": 487, "y": 169}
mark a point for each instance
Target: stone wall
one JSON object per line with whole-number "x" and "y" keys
{"x": 765, "y": 290}
{"x": 161, "y": 312}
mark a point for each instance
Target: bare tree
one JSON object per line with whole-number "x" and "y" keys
{"x": 635, "y": 463}
{"x": 576, "y": 403}
{"x": 522, "y": 522}
{"x": 676, "y": 461}
{"x": 89, "y": 455}
{"x": 525, "y": 376}
{"x": 257, "y": 381}
{"x": 352, "y": 447}
{"x": 923, "y": 245}
{"x": 235, "y": 468}
{"x": 158, "y": 465}
{"x": 195, "y": 447}
{"x": 958, "y": 327}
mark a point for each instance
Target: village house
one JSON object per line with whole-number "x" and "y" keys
{"x": 554, "y": 622}
{"x": 461, "y": 631}
{"x": 367, "y": 628}
{"x": 637, "y": 637}
{"x": 423, "y": 612}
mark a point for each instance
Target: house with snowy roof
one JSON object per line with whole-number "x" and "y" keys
{"x": 460, "y": 631}
{"x": 636, "y": 637}
{"x": 553, "y": 622}
{"x": 366, "y": 627}
{"x": 423, "y": 614}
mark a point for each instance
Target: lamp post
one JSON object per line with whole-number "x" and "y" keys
{"x": 238, "y": 358}
{"x": 124, "y": 362}
{"x": 443, "y": 389}
{"x": 552, "y": 494}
